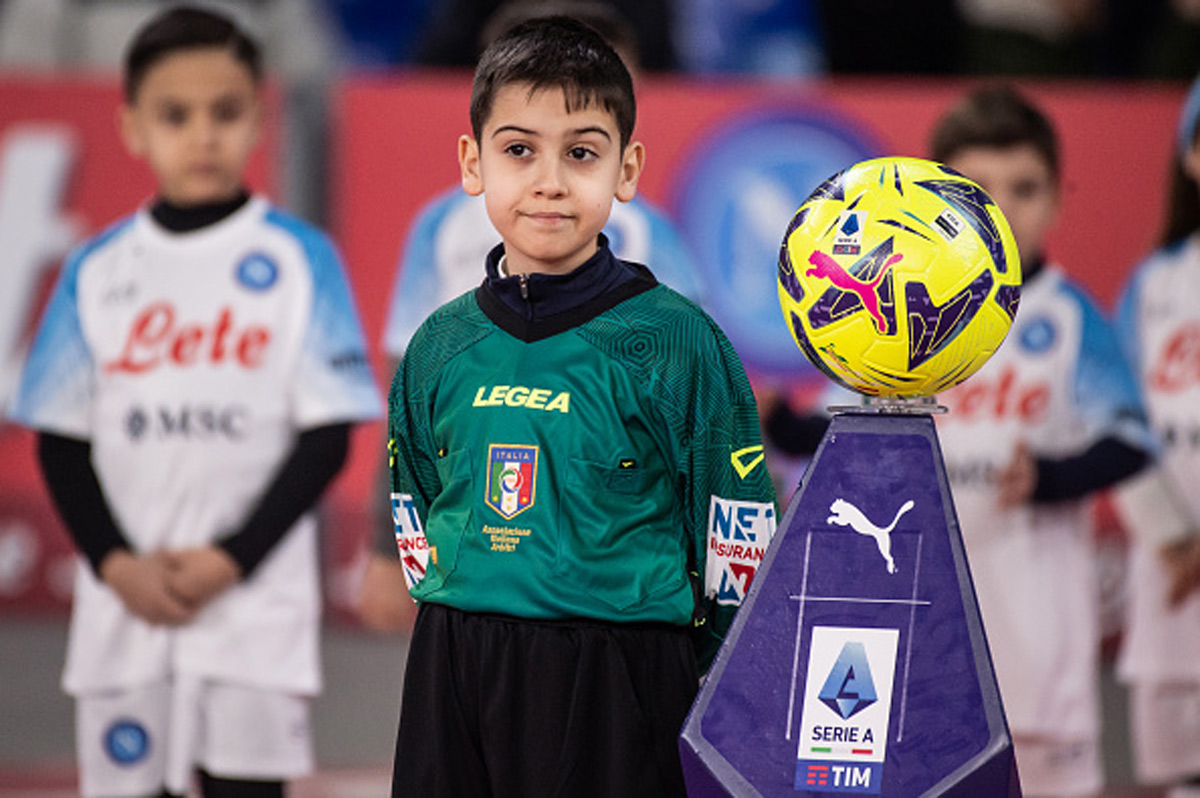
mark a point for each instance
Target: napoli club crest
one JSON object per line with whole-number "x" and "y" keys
{"x": 511, "y": 478}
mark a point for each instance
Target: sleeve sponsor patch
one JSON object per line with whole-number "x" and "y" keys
{"x": 410, "y": 539}
{"x": 738, "y": 535}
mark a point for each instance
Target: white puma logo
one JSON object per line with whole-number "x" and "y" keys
{"x": 846, "y": 514}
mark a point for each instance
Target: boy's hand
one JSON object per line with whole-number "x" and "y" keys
{"x": 1182, "y": 561}
{"x": 199, "y": 575}
{"x": 384, "y": 604}
{"x": 1016, "y": 481}
{"x": 141, "y": 583}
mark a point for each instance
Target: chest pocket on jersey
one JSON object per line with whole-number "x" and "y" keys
{"x": 450, "y": 514}
{"x": 620, "y": 533}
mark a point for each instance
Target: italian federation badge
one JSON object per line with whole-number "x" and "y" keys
{"x": 511, "y": 478}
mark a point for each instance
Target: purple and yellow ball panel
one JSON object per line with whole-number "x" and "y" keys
{"x": 898, "y": 277}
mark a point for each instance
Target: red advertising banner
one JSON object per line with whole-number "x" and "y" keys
{"x": 397, "y": 139}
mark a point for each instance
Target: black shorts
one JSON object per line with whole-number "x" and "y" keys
{"x": 502, "y": 706}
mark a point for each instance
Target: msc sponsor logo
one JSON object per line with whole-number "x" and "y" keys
{"x": 126, "y": 742}
{"x": 738, "y": 535}
{"x": 511, "y": 478}
{"x": 156, "y": 337}
{"x": 353, "y": 360}
{"x": 1184, "y": 437}
{"x": 191, "y": 422}
{"x": 846, "y": 709}
{"x": 522, "y": 396}
{"x": 410, "y": 539}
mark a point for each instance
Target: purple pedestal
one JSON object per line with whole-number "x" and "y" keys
{"x": 858, "y": 662}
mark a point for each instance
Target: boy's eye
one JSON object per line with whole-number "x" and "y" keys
{"x": 1026, "y": 189}
{"x": 173, "y": 115}
{"x": 581, "y": 153}
{"x": 228, "y": 111}
{"x": 518, "y": 150}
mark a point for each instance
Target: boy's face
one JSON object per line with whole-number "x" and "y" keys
{"x": 548, "y": 176}
{"x": 1020, "y": 181}
{"x": 196, "y": 119}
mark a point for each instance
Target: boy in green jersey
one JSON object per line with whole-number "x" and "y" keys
{"x": 578, "y": 484}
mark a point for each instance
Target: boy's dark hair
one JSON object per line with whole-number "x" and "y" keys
{"x": 186, "y": 28}
{"x": 1183, "y": 205}
{"x": 1183, "y": 201}
{"x": 995, "y": 116}
{"x": 555, "y": 52}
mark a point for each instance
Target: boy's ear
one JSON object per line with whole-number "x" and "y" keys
{"x": 632, "y": 161}
{"x": 1191, "y": 163}
{"x": 131, "y": 135}
{"x": 468, "y": 162}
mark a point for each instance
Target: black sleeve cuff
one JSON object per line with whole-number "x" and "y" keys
{"x": 66, "y": 465}
{"x": 1106, "y": 463}
{"x": 313, "y": 463}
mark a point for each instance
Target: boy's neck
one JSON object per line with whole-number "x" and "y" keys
{"x": 186, "y": 218}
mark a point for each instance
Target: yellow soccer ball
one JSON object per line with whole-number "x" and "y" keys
{"x": 899, "y": 277}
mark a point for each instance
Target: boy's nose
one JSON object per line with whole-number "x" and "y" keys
{"x": 549, "y": 180}
{"x": 204, "y": 131}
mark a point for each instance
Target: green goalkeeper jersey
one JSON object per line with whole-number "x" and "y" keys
{"x": 600, "y": 463}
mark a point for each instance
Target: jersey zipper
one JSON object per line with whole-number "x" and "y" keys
{"x": 523, "y": 280}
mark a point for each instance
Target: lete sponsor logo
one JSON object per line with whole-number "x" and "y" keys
{"x": 157, "y": 338}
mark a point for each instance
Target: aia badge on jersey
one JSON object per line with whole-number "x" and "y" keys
{"x": 846, "y": 710}
{"x": 738, "y": 534}
{"x": 410, "y": 539}
{"x": 511, "y": 478}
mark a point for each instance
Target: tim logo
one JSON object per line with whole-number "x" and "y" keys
{"x": 844, "y": 513}
{"x": 511, "y": 478}
{"x": 410, "y": 539}
{"x": 867, "y": 291}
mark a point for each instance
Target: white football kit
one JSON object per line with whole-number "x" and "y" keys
{"x": 1059, "y": 384}
{"x": 446, "y": 248}
{"x": 1159, "y": 322}
{"x": 191, "y": 361}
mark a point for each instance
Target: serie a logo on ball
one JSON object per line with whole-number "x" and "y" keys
{"x": 899, "y": 277}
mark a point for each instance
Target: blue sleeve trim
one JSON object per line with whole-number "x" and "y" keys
{"x": 415, "y": 289}
{"x": 60, "y": 361}
{"x": 1104, "y": 388}
{"x": 670, "y": 258}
